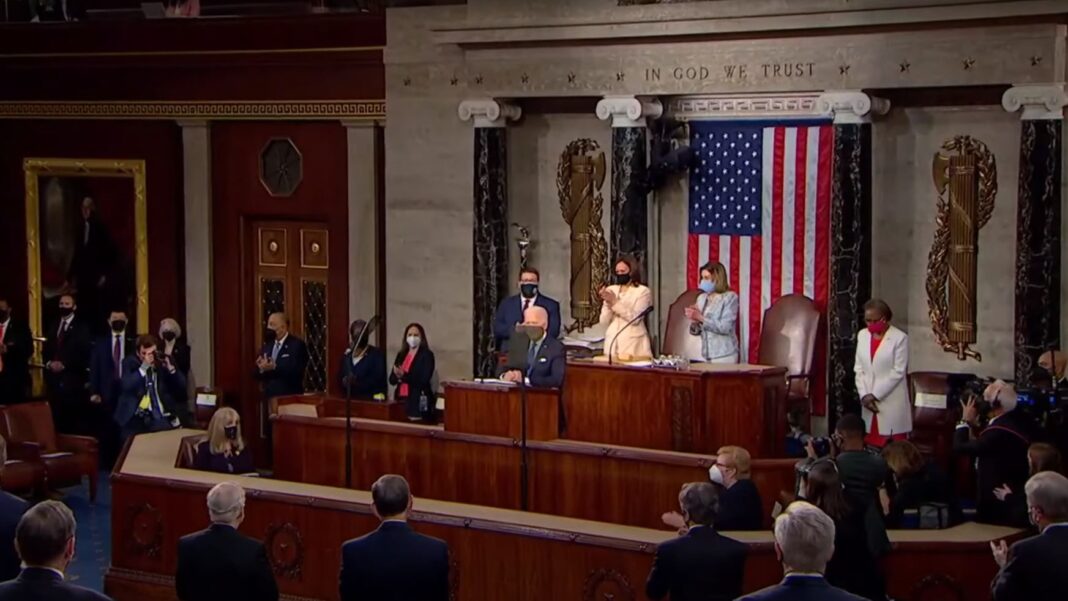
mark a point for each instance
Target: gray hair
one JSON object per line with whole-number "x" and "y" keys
{"x": 806, "y": 537}
{"x": 1049, "y": 492}
{"x": 43, "y": 532}
{"x": 169, "y": 324}
{"x": 1003, "y": 392}
{"x": 699, "y": 501}
{"x": 390, "y": 495}
{"x": 226, "y": 501}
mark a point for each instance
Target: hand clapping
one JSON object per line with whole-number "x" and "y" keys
{"x": 512, "y": 375}
{"x": 608, "y": 296}
{"x": 694, "y": 314}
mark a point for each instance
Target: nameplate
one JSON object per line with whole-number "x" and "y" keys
{"x": 206, "y": 399}
{"x": 929, "y": 400}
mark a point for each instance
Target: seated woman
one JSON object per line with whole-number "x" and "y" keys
{"x": 623, "y": 303}
{"x": 918, "y": 482}
{"x": 715, "y": 316}
{"x": 362, "y": 369}
{"x": 224, "y": 450}
{"x": 413, "y": 370}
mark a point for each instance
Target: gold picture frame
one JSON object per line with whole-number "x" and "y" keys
{"x": 36, "y": 168}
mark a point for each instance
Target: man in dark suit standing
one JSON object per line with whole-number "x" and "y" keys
{"x": 16, "y": 347}
{"x": 219, "y": 564}
{"x": 11, "y": 510}
{"x": 394, "y": 563}
{"x": 66, "y": 356}
{"x": 546, "y": 359}
{"x": 700, "y": 563}
{"x": 280, "y": 367}
{"x": 1036, "y": 569}
{"x": 145, "y": 403}
{"x": 804, "y": 543}
{"x": 45, "y": 542}
{"x": 105, "y": 382}
{"x": 510, "y": 312}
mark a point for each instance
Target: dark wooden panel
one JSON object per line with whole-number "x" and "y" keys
{"x": 496, "y": 410}
{"x": 618, "y": 406}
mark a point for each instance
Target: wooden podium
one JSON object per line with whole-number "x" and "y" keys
{"x": 493, "y": 409}
{"x": 320, "y": 405}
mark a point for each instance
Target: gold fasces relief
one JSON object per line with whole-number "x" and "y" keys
{"x": 579, "y": 177}
{"x": 965, "y": 178}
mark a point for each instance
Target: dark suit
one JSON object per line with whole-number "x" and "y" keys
{"x": 547, "y": 369}
{"x": 221, "y": 564}
{"x": 11, "y": 510}
{"x": 368, "y": 375}
{"x": 702, "y": 565}
{"x": 1001, "y": 456}
{"x": 1037, "y": 569}
{"x": 287, "y": 377}
{"x": 41, "y": 584}
{"x": 15, "y": 377}
{"x": 802, "y": 588}
{"x": 510, "y": 312}
{"x": 418, "y": 378}
{"x": 394, "y": 563}
{"x": 102, "y": 378}
{"x": 206, "y": 461}
{"x": 67, "y": 392}
{"x": 134, "y": 388}
{"x": 740, "y": 507}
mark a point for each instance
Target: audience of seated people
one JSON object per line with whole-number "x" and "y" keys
{"x": 701, "y": 563}
{"x": 224, "y": 450}
{"x": 918, "y": 484}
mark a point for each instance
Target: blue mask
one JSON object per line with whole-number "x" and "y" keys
{"x": 707, "y": 286}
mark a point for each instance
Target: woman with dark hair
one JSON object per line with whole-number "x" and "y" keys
{"x": 362, "y": 370}
{"x": 881, "y": 362}
{"x": 413, "y": 370}
{"x": 623, "y": 302}
{"x": 1041, "y": 457}
{"x": 715, "y": 315}
{"x": 852, "y": 567}
{"x": 917, "y": 482}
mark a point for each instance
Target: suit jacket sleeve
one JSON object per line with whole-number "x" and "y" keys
{"x": 183, "y": 574}
{"x": 501, "y": 328}
{"x": 294, "y": 369}
{"x": 1011, "y": 583}
{"x": 860, "y": 369}
{"x": 554, "y": 320}
{"x": 659, "y": 582}
{"x": 442, "y": 577}
{"x": 96, "y": 369}
{"x": 963, "y": 443}
{"x": 266, "y": 587}
{"x": 726, "y": 322}
{"x": 555, "y": 377}
{"x": 422, "y": 372}
{"x": 348, "y": 588}
{"x": 19, "y": 343}
{"x": 643, "y": 302}
{"x": 884, "y": 386}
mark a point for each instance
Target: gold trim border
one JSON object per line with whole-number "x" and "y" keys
{"x": 33, "y": 169}
{"x": 228, "y": 110}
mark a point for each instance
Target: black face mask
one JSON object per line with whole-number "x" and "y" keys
{"x": 362, "y": 341}
{"x": 118, "y": 325}
{"x": 169, "y": 336}
{"x": 66, "y": 311}
{"x": 528, "y": 290}
{"x": 231, "y": 432}
{"x": 622, "y": 279}
{"x": 3, "y": 315}
{"x": 269, "y": 335}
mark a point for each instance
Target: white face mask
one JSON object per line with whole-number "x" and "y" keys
{"x": 414, "y": 341}
{"x": 801, "y": 491}
{"x": 715, "y": 475}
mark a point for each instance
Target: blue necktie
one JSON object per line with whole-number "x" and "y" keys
{"x": 532, "y": 356}
{"x": 274, "y": 353}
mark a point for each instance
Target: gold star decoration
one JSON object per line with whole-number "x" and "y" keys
{"x": 525, "y": 78}
{"x": 843, "y": 69}
{"x": 454, "y": 80}
{"x": 905, "y": 66}
{"x": 968, "y": 64}
{"x": 571, "y": 77}
{"x": 478, "y": 79}
{"x": 1036, "y": 60}
{"x": 620, "y": 76}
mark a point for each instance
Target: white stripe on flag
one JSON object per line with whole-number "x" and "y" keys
{"x": 745, "y": 268}
{"x": 789, "y": 189}
{"x": 812, "y": 176}
{"x": 702, "y": 255}
{"x": 725, "y": 255}
{"x": 766, "y": 231}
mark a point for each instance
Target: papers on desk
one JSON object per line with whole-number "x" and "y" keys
{"x": 591, "y": 342}
{"x": 494, "y": 381}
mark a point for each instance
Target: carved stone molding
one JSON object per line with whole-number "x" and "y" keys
{"x": 488, "y": 112}
{"x": 145, "y": 531}
{"x": 851, "y": 106}
{"x": 320, "y": 110}
{"x": 1038, "y": 102}
{"x": 285, "y": 550}
{"x": 763, "y": 105}
{"x": 629, "y": 111}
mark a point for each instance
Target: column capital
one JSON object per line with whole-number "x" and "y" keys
{"x": 1044, "y": 101}
{"x": 488, "y": 112}
{"x": 851, "y": 106}
{"x": 629, "y": 111}
{"x": 362, "y": 123}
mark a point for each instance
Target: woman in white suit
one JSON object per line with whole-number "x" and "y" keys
{"x": 622, "y": 303}
{"x": 881, "y": 366}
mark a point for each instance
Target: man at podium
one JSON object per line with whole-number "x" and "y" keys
{"x": 544, "y": 362}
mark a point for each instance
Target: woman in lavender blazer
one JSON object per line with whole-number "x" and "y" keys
{"x": 715, "y": 316}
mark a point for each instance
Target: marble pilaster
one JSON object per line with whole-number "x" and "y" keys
{"x": 196, "y": 184}
{"x": 490, "y": 228}
{"x": 364, "y": 245}
{"x": 1038, "y": 224}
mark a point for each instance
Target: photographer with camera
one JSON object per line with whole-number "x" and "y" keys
{"x": 145, "y": 403}
{"x": 999, "y": 449}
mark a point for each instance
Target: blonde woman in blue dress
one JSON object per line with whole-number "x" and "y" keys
{"x": 715, "y": 315}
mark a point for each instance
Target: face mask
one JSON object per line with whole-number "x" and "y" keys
{"x": 528, "y": 290}
{"x": 715, "y": 475}
{"x": 66, "y": 311}
{"x": 535, "y": 333}
{"x": 3, "y": 315}
{"x": 707, "y": 286}
{"x": 362, "y": 342}
{"x": 118, "y": 325}
{"x": 414, "y": 341}
{"x": 270, "y": 335}
{"x": 169, "y": 336}
{"x": 878, "y": 327}
{"x": 231, "y": 432}
{"x": 622, "y": 279}
{"x": 801, "y": 491}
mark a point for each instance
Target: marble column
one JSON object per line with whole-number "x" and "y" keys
{"x": 490, "y": 233}
{"x": 850, "y": 269}
{"x": 1038, "y": 223}
{"x": 363, "y": 139}
{"x": 199, "y": 315}
{"x": 629, "y": 232}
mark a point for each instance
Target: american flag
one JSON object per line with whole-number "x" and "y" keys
{"x": 760, "y": 205}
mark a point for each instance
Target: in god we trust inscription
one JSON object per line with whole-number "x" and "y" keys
{"x": 732, "y": 72}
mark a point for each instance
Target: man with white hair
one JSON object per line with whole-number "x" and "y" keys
{"x": 1036, "y": 569}
{"x": 804, "y": 543}
{"x": 545, "y": 356}
{"x": 1000, "y": 449}
{"x": 219, "y": 564}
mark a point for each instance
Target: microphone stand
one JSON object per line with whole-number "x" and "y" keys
{"x": 612, "y": 346}
{"x": 524, "y": 480}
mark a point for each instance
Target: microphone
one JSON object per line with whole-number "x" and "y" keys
{"x": 611, "y": 347}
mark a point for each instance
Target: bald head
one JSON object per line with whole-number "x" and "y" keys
{"x": 226, "y": 504}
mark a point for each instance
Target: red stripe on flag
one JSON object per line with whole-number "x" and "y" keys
{"x": 800, "y": 216}
{"x": 713, "y": 251}
{"x": 736, "y": 255}
{"x": 755, "y": 290}
{"x": 776, "y": 212}
{"x": 693, "y": 251}
{"x": 823, "y": 217}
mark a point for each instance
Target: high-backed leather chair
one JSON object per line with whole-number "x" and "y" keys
{"x": 31, "y": 437}
{"x": 788, "y": 339}
{"x": 935, "y": 418}
{"x": 202, "y": 413}
{"x": 677, "y": 337}
{"x": 22, "y": 478}
{"x": 187, "y": 450}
